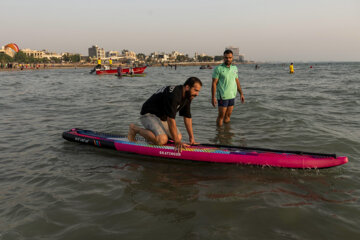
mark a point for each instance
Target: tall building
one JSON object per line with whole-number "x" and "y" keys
{"x": 236, "y": 52}
{"x": 96, "y": 52}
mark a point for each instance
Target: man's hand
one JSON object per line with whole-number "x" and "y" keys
{"x": 192, "y": 141}
{"x": 213, "y": 101}
{"x": 179, "y": 146}
{"x": 242, "y": 98}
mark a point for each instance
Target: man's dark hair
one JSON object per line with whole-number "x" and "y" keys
{"x": 227, "y": 51}
{"x": 191, "y": 81}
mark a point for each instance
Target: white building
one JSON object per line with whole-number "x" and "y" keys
{"x": 47, "y": 54}
{"x": 197, "y": 55}
{"x": 130, "y": 55}
{"x": 173, "y": 55}
{"x": 33, "y": 53}
{"x": 163, "y": 57}
{"x": 113, "y": 54}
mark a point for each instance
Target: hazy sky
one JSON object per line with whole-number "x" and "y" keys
{"x": 264, "y": 30}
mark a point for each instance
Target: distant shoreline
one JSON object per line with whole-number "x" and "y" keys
{"x": 88, "y": 65}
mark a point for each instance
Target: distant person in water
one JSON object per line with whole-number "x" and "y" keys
{"x": 158, "y": 114}
{"x": 131, "y": 71}
{"x": 119, "y": 71}
{"x": 225, "y": 85}
{"x": 291, "y": 68}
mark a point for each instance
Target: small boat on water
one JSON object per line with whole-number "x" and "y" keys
{"x": 136, "y": 70}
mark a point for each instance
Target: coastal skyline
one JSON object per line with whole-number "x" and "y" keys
{"x": 263, "y": 30}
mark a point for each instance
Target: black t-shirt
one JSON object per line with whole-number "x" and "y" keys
{"x": 166, "y": 102}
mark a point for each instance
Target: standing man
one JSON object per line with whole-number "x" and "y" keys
{"x": 110, "y": 63}
{"x": 119, "y": 71}
{"x": 225, "y": 84}
{"x": 159, "y": 111}
{"x": 98, "y": 66}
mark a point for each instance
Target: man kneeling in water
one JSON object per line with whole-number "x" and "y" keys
{"x": 159, "y": 111}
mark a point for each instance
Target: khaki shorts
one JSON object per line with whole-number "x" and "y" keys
{"x": 153, "y": 123}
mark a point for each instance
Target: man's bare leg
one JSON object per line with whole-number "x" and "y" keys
{"x": 221, "y": 115}
{"x": 228, "y": 114}
{"x": 133, "y": 130}
{"x": 147, "y": 134}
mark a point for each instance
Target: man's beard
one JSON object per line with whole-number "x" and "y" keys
{"x": 188, "y": 95}
{"x": 227, "y": 62}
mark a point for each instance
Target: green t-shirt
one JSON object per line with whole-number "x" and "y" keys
{"x": 226, "y": 87}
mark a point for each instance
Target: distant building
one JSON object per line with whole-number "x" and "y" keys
{"x": 152, "y": 56}
{"x": 68, "y": 54}
{"x": 196, "y": 55}
{"x": 241, "y": 58}
{"x": 173, "y": 55}
{"x": 162, "y": 57}
{"x": 96, "y": 52}
{"x": 47, "y": 54}
{"x": 236, "y": 53}
{"x": 33, "y": 53}
{"x": 129, "y": 55}
{"x": 113, "y": 54}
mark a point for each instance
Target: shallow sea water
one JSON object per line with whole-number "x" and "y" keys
{"x": 54, "y": 189}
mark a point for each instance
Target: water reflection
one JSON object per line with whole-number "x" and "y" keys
{"x": 224, "y": 134}
{"x": 170, "y": 181}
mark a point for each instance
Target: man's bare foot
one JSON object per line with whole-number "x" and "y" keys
{"x": 133, "y": 130}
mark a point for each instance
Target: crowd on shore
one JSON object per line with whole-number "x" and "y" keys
{"x": 16, "y": 66}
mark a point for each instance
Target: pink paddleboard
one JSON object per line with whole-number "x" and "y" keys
{"x": 209, "y": 152}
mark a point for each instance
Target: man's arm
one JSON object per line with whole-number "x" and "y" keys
{"x": 189, "y": 129}
{"x": 240, "y": 90}
{"x": 213, "y": 91}
{"x": 173, "y": 131}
